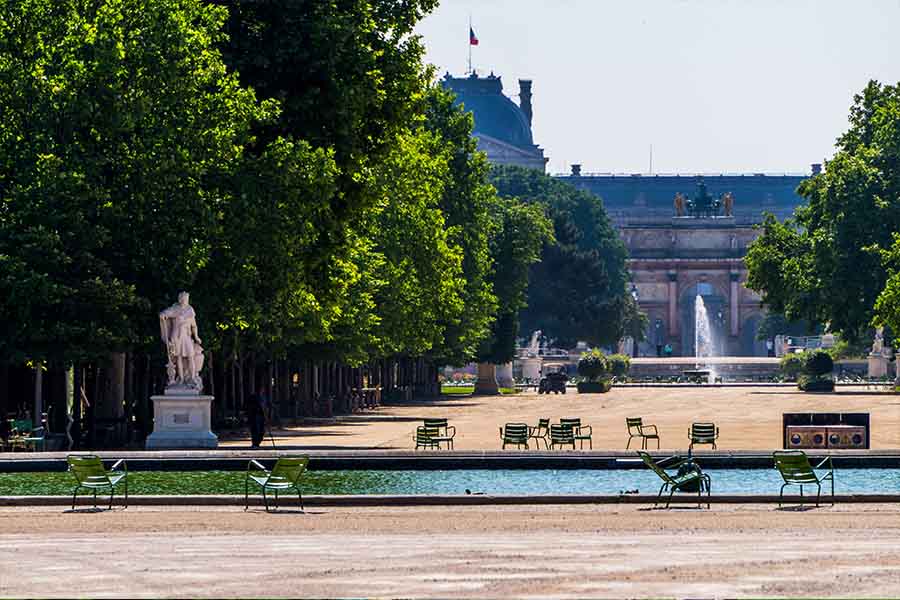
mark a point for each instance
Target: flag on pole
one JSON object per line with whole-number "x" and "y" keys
{"x": 473, "y": 41}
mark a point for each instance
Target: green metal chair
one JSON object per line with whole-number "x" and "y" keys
{"x": 23, "y": 435}
{"x": 703, "y": 433}
{"x": 795, "y": 469}
{"x": 580, "y": 432}
{"x": 426, "y": 437}
{"x": 446, "y": 432}
{"x": 540, "y": 433}
{"x": 676, "y": 482}
{"x": 283, "y": 476}
{"x": 514, "y": 433}
{"x": 561, "y": 435}
{"x": 90, "y": 474}
{"x": 637, "y": 429}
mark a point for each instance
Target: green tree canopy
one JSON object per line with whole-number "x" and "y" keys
{"x": 824, "y": 265}
{"x": 121, "y": 132}
{"x": 577, "y": 291}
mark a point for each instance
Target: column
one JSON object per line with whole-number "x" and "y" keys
{"x": 735, "y": 300}
{"x": 673, "y": 303}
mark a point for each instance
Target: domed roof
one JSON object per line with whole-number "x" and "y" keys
{"x": 495, "y": 115}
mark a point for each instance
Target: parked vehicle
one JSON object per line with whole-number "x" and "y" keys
{"x": 553, "y": 378}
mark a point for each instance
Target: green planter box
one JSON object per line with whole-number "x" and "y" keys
{"x": 815, "y": 385}
{"x": 594, "y": 387}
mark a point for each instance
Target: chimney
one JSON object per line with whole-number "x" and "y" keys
{"x": 816, "y": 168}
{"x": 525, "y": 98}
{"x": 576, "y": 170}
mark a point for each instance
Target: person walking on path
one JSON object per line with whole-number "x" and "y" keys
{"x": 256, "y": 407}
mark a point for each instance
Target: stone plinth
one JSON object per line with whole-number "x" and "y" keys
{"x": 487, "y": 379}
{"x": 181, "y": 421}
{"x": 531, "y": 368}
{"x": 878, "y": 365}
{"x": 505, "y": 375}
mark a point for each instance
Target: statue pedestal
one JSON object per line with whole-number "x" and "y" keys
{"x": 486, "y": 383}
{"x": 505, "y": 376}
{"x": 878, "y": 365}
{"x": 181, "y": 421}
{"x": 531, "y": 368}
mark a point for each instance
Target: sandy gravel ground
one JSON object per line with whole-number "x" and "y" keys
{"x": 748, "y": 418}
{"x": 479, "y": 552}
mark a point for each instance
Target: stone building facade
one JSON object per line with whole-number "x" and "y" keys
{"x": 673, "y": 259}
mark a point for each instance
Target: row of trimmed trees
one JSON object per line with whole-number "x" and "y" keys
{"x": 294, "y": 166}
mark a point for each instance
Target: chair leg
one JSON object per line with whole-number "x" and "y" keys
{"x": 818, "y": 493}
{"x": 111, "y": 492}
{"x": 657, "y": 443}
{"x": 659, "y": 495}
{"x": 276, "y": 500}
{"x": 246, "y": 495}
{"x": 126, "y": 493}
{"x": 671, "y": 493}
{"x": 781, "y": 495}
{"x": 628, "y": 445}
{"x": 95, "y": 498}
{"x": 265, "y": 498}
{"x": 75, "y": 493}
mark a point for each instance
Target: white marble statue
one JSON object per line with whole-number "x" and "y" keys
{"x": 878, "y": 343}
{"x": 178, "y": 327}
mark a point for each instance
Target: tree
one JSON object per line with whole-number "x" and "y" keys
{"x": 774, "y": 323}
{"x": 467, "y": 201}
{"x": 825, "y": 264}
{"x": 121, "y": 131}
{"x": 519, "y": 235}
{"x": 349, "y": 78}
{"x": 577, "y": 290}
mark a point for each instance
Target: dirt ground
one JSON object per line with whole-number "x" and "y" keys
{"x": 453, "y": 552}
{"x": 748, "y": 418}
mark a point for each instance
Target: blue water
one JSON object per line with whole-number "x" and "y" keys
{"x": 454, "y": 482}
{"x": 583, "y": 481}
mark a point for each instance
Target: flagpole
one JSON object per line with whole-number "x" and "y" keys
{"x": 469, "y": 40}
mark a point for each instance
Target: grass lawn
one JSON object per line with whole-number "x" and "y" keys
{"x": 464, "y": 390}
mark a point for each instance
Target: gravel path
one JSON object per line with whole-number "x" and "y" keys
{"x": 452, "y": 552}
{"x": 748, "y": 418}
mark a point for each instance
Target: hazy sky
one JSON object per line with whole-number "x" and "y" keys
{"x": 713, "y": 85}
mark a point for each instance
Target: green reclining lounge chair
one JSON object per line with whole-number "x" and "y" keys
{"x": 90, "y": 474}
{"x": 676, "y": 482}
{"x": 795, "y": 470}
{"x": 283, "y": 476}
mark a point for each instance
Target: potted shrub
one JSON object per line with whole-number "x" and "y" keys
{"x": 791, "y": 365}
{"x": 619, "y": 365}
{"x": 817, "y": 370}
{"x": 594, "y": 369}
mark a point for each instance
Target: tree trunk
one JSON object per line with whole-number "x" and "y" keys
{"x": 486, "y": 384}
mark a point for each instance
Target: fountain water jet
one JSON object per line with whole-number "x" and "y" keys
{"x": 703, "y": 341}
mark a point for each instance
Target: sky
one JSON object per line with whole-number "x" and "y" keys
{"x": 713, "y": 86}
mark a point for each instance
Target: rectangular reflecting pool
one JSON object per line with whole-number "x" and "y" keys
{"x": 518, "y": 482}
